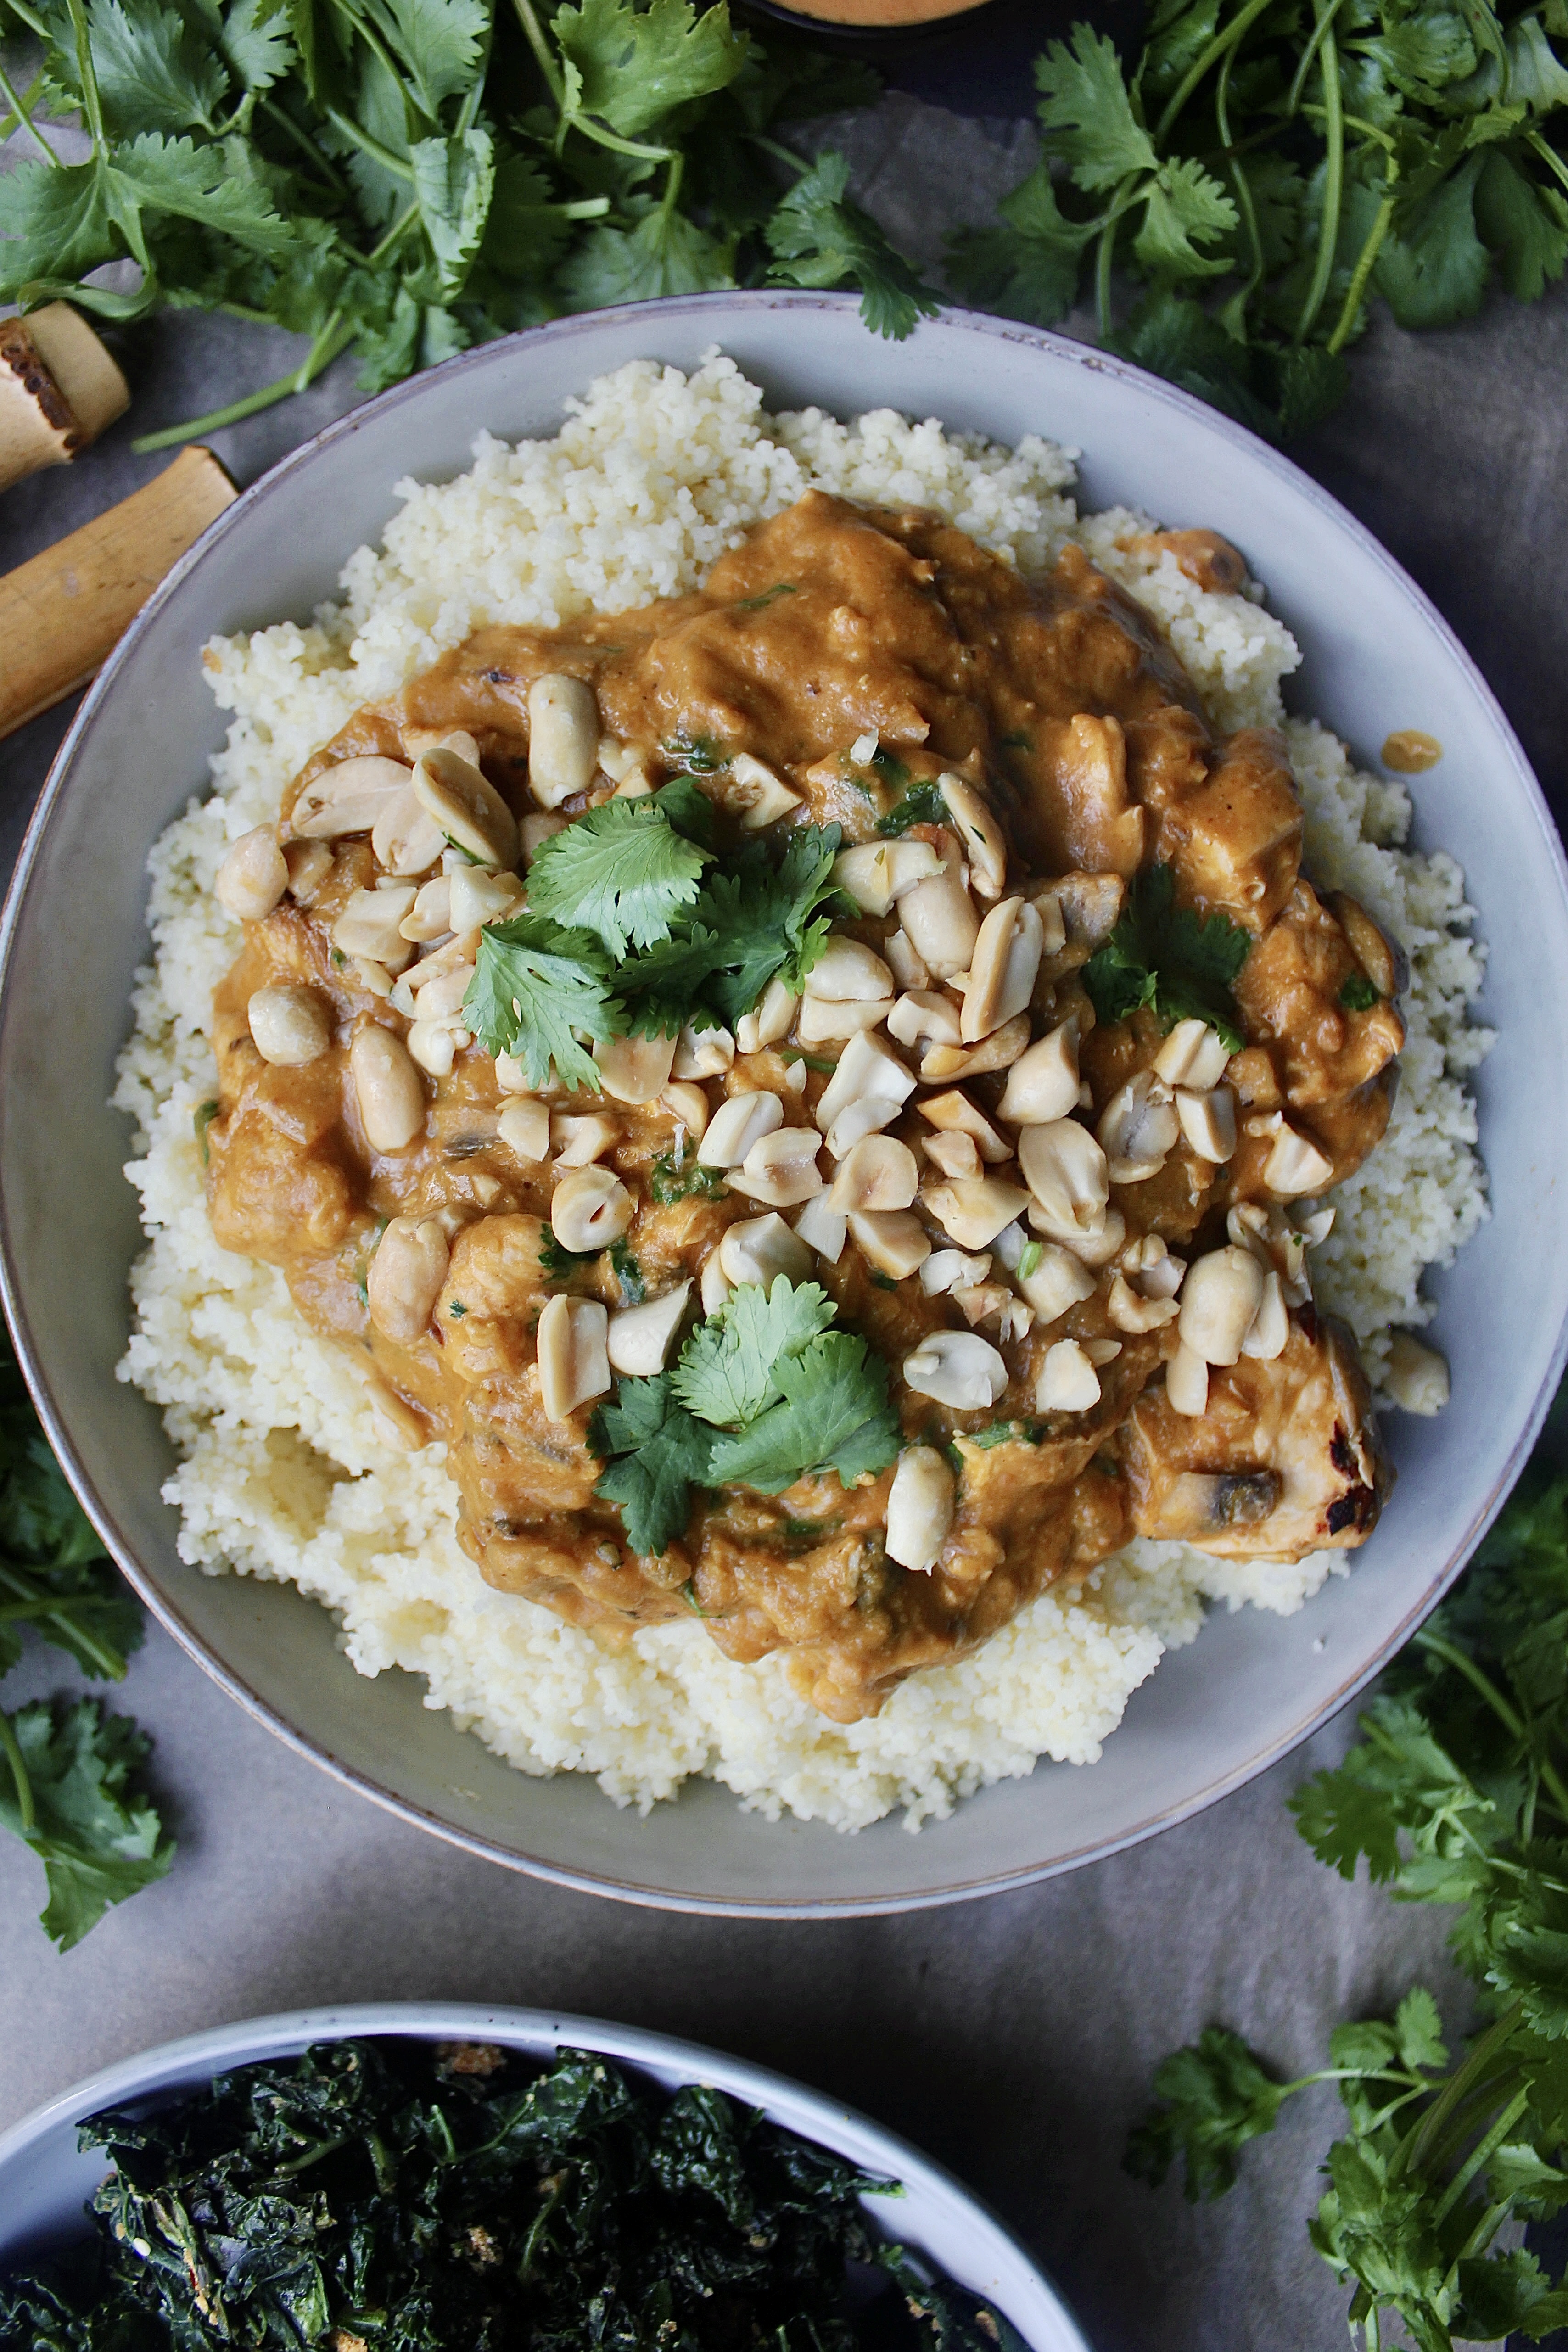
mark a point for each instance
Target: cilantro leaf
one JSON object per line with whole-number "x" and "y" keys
{"x": 1524, "y": 224}
{"x": 65, "y": 1790}
{"x": 151, "y": 72}
{"x": 1433, "y": 269}
{"x": 1029, "y": 269}
{"x": 621, "y": 871}
{"x": 440, "y": 43}
{"x": 630, "y": 66}
{"x": 534, "y": 984}
{"x": 657, "y": 1453}
{"x": 665, "y": 253}
{"x": 819, "y": 237}
{"x": 255, "y": 43}
{"x": 923, "y": 804}
{"x": 743, "y": 927}
{"x": 1162, "y": 955}
{"x": 833, "y": 1415}
{"x": 1213, "y": 2097}
{"x": 1087, "y": 117}
{"x": 453, "y": 179}
{"x": 1183, "y": 209}
{"x": 726, "y": 1371}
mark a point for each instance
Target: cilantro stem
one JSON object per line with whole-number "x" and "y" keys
{"x": 60, "y": 1613}
{"x": 1243, "y": 187}
{"x": 1359, "y": 276}
{"x": 1205, "y": 65}
{"x": 304, "y": 140}
{"x": 615, "y": 143}
{"x": 319, "y": 357}
{"x": 1412, "y": 2152}
{"x": 93, "y": 105}
{"x": 584, "y": 209}
{"x": 1333, "y": 179}
{"x": 534, "y": 36}
{"x": 781, "y": 155}
{"x": 31, "y": 19}
{"x": 13, "y": 1753}
{"x": 402, "y": 221}
{"x": 20, "y": 110}
{"x": 369, "y": 146}
{"x": 1441, "y": 1648}
{"x": 1548, "y": 155}
{"x": 1320, "y": 35}
{"x": 1479, "y": 2154}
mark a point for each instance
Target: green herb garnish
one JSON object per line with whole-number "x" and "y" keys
{"x": 620, "y": 871}
{"x": 67, "y": 1770}
{"x": 748, "y": 923}
{"x": 657, "y": 1453}
{"x": 1358, "y": 994}
{"x": 406, "y": 182}
{"x": 726, "y": 1371}
{"x": 695, "y": 755}
{"x": 1458, "y": 1795}
{"x": 922, "y": 804}
{"x": 1006, "y": 1432}
{"x": 1162, "y": 955}
{"x": 628, "y": 1273}
{"x": 769, "y": 597}
{"x": 1266, "y": 173}
{"x": 1029, "y": 1258}
{"x": 204, "y": 1115}
{"x": 818, "y": 237}
{"x": 556, "y": 1261}
{"x": 684, "y": 1180}
{"x": 536, "y": 983}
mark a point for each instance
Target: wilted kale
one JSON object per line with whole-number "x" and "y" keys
{"x": 415, "y": 2199}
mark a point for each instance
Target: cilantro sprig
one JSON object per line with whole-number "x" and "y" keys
{"x": 67, "y": 1771}
{"x": 1163, "y": 956}
{"x": 405, "y": 178}
{"x": 1456, "y": 1794}
{"x": 1265, "y": 173}
{"x": 621, "y": 871}
{"x": 648, "y": 948}
{"x": 762, "y": 1393}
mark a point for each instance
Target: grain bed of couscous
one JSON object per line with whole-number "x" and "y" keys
{"x": 282, "y": 1473}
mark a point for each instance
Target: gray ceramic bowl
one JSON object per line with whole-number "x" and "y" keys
{"x": 45, "y": 2179}
{"x": 1377, "y": 657}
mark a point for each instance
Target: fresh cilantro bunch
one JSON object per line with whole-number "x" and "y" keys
{"x": 405, "y": 178}
{"x": 1267, "y": 168}
{"x": 1163, "y": 956}
{"x": 761, "y": 1392}
{"x": 67, "y": 1770}
{"x": 624, "y": 935}
{"x": 1458, "y": 1794}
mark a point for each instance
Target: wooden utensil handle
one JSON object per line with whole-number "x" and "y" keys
{"x": 62, "y": 613}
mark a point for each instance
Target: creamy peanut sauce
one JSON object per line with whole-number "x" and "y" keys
{"x": 1058, "y": 704}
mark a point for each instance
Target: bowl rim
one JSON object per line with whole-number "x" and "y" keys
{"x": 720, "y": 306}
{"x": 833, "y": 2121}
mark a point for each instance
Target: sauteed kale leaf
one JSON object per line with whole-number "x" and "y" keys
{"x": 410, "y": 2199}
{"x": 65, "y": 1768}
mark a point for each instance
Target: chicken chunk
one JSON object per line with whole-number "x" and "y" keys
{"x": 1287, "y": 1460}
